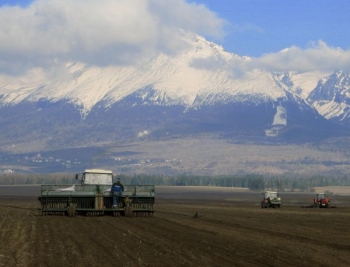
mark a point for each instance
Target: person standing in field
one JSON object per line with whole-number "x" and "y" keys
{"x": 117, "y": 189}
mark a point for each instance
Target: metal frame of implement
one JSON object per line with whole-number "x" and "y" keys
{"x": 96, "y": 200}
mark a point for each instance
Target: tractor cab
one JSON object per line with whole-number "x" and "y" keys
{"x": 95, "y": 177}
{"x": 271, "y": 195}
{"x": 321, "y": 196}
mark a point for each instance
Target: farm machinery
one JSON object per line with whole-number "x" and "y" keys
{"x": 322, "y": 201}
{"x": 93, "y": 196}
{"x": 271, "y": 200}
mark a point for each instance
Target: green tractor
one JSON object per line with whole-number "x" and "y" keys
{"x": 271, "y": 200}
{"x": 93, "y": 196}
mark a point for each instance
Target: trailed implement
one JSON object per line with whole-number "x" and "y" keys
{"x": 93, "y": 197}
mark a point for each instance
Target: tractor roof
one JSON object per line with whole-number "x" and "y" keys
{"x": 98, "y": 171}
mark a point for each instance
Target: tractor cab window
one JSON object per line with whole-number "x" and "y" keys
{"x": 271, "y": 195}
{"x": 98, "y": 178}
{"x": 321, "y": 196}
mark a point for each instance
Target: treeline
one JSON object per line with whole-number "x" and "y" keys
{"x": 251, "y": 181}
{"x": 28, "y": 179}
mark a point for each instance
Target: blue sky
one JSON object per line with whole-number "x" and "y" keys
{"x": 39, "y": 31}
{"x": 263, "y": 26}
{"x": 15, "y": 2}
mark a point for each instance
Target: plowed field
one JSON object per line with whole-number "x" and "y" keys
{"x": 232, "y": 230}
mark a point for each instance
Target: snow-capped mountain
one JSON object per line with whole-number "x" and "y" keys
{"x": 331, "y": 97}
{"x": 199, "y": 75}
{"x": 199, "y": 90}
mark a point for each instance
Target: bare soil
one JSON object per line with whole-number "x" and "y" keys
{"x": 230, "y": 230}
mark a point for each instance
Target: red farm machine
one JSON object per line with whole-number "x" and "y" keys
{"x": 322, "y": 201}
{"x": 93, "y": 196}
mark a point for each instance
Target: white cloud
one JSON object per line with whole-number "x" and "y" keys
{"x": 98, "y": 32}
{"x": 49, "y": 33}
{"x": 319, "y": 56}
{"x": 189, "y": 16}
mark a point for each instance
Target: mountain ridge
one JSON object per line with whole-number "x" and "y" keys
{"x": 197, "y": 91}
{"x": 167, "y": 75}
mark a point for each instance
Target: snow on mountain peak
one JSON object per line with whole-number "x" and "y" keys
{"x": 331, "y": 96}
{"x": 302, "y": 83}
{"x": 202, "y": 73}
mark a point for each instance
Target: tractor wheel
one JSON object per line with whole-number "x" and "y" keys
{"x": 71, "y": 211}
{"x": 128, "y": 211}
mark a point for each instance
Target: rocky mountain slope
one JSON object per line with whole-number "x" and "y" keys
{"x": 198, "y": 91}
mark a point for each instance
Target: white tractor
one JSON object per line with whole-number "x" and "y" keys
{"x": 271, "y": 200}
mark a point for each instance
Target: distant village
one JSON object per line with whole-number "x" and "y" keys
{"x": 35, "y": 159}
{"x": 40, "y": 160}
